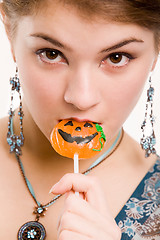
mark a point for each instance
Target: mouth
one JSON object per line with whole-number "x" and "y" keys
{"x": 80, "y": 120}
{"x": 79, "y": 140}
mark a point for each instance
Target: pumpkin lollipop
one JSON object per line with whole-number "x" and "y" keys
{"x": 76, "y": 140}
{"x": 70, "y": 137}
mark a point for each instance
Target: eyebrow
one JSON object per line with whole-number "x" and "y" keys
{"x": 122, "y": 43}
{"x": 64, "y": 46}
{"x": 51, "y": 40}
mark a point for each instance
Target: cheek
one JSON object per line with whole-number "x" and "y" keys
{"x": 42, "y": 91}
{"x": 123, "y": 94}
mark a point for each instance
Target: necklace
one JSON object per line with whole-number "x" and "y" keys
{"x": 34, "y": 229}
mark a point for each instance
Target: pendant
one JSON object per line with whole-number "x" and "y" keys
{"x": 32, "y": 230}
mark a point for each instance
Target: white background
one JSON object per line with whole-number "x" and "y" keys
{"x": 132, "y": 125}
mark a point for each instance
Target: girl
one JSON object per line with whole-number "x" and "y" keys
{"x": 83, "y": 61}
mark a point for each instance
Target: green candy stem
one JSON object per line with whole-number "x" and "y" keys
{"x": 100, "y": 129}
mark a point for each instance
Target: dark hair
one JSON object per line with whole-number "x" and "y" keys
{"x": 145, "y": 13}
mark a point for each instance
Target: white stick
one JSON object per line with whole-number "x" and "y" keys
{"x": 76, "y": 167}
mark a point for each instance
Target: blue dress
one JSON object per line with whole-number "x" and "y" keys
{"x": 140, "y": 217}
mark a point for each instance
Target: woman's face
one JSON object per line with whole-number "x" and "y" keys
{"x": 71, "y": 68}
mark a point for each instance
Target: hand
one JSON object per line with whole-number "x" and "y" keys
{"x": 84, "y": 217}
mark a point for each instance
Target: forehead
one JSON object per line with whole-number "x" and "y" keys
{"x": 69, "y": 27}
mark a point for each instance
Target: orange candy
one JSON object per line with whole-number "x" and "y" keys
{"x": 84, "y": 138}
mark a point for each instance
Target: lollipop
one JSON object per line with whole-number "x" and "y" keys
{"x": 70, "y": 137}
{"x": 76, "y": 140}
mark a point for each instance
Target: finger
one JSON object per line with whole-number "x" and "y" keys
{"x": 67, "y": 195}
{"x": 81, "y": 208}
{"x": 76, "y": 224}
{"x": 81, "y": 195}
{"x": 70, "y": 193}
{"x": 66, "y": 234}
{"x": 87, "y": 185}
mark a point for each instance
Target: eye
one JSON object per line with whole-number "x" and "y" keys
{"x": 70, "y": 123}
{"x": 51, "y": 56}
{"x": 118, "y": 59}
{"x": 88, "y": 125}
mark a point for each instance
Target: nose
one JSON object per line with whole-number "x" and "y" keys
{"x": 82, "y": 89}
{"x": 78, "y": 129}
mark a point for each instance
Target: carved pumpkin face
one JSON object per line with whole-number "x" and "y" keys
{"x": 69, "y": 137}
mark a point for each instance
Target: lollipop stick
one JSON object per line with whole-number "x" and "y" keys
{"x": 76, "y": 167}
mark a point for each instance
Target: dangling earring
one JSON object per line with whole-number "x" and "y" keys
{"x": 148, "y": 142}
{"x": 15, "y": 142}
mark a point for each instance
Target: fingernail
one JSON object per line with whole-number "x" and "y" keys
{"x": 53, "y": 188}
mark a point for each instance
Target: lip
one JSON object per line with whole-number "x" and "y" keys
{"x": 80, "y": 120}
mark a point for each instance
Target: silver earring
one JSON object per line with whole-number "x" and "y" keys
{"x": 148, "y": 142}
{"x": 15, "y": 142}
